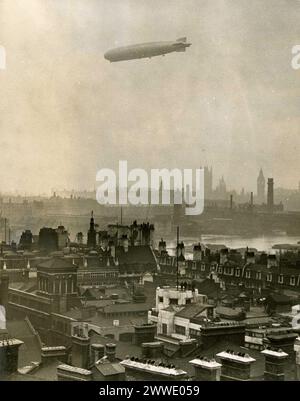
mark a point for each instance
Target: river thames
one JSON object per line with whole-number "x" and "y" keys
{"x": 261, "y": 243}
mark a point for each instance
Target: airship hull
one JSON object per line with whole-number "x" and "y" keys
{"x": 146, "y": 50}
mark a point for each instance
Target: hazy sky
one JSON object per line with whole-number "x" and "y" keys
{"x": 231, "y": 101}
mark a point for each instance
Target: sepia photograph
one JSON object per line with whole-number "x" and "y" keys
{"x": 149, "y": 193}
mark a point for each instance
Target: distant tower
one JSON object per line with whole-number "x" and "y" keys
{"x": 91, "y": 240}
{"x": 79, "y": 238}
{"x": 261, "y": 183}
{"x": 270, "y": 198}
{"x": 222, "y": 188}
{"x": 208, "y": 182}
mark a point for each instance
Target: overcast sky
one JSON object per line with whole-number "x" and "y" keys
{"x": 231, "y": 101}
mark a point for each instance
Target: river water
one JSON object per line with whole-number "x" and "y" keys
{"x": 261, "y": 243}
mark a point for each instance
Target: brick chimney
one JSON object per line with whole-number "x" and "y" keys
{"x": 162, "y": 247}
{"x": 110, "y": 351}
{"x": 152, "y": 349}
{"x": 206, "y": 369}
{"x": 236, "y": 366}
{"x": 9, "y": 356}
{"x": 197, "y": 252}
{"x": 80, "y": 351}
{"x": 97, "y": 351}
{"x": 49, "y": 354}
{"x": 274, "y": 364}
{"x": 223, "y": 256}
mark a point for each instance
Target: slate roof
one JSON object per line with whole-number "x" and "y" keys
{"x": 192, "y": 310}
{"x": 109, "y": 368}
{"x": 229, "y": 312}
{"x": 57, "y": 263}
{"x": 141, "y": 254}
{"x": 208, "y": 287}
{"x": 119, "y": 308}
{"x": 279, "y": 299}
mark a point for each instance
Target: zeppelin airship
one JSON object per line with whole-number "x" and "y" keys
{"x": 146, "y": 50}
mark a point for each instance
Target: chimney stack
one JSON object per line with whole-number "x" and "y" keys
{"x": 9, "y": 356}
{"x": 97, "y": 352}
{"x": 270, "y": 195}
{"x": 206, "y": 369}
{"x": 110, "y": 351}
{"x": 197, "y": 252}
{"x": 274, "y": 364}
{"x": 162, "y": 247}
{"x": 49, "y": 354}
{"x": 80, "y": 351}
{"x": 236, "y": 366}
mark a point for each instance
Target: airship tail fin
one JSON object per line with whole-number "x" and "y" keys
{"x": 181, "y": 40}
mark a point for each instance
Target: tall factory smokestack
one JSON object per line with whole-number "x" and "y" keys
{"x": 270, "y": 196}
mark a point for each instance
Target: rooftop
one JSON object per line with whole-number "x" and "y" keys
{"x": 240, "y": 357}
{"x": 153, "y": 368}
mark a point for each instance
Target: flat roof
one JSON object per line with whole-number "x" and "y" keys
{"x": 206, "y": 364}
{"x": 278, "y": 354}
{"x": 146, "y": 367}
{"x": 73, "y": 369}
{"x": 234, "y": 357}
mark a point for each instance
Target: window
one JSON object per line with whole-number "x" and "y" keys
{"x": 280, "y": 279}
{"x": 269, "y": 277}
{"x": 179, "y": 329}
{"x": 248, "y": 274}
{"x": 203, "y": 267}
{"x": 173, "y": 301}
{"x": 195, "y": 333}
{"x": 160, "y": 299}
{"x": 258, "y": 275}
{"x": 238, "y": 272}
{"x": 292, "y": 280}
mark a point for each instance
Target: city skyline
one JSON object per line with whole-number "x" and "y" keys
{"x": 66, "y": 112}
